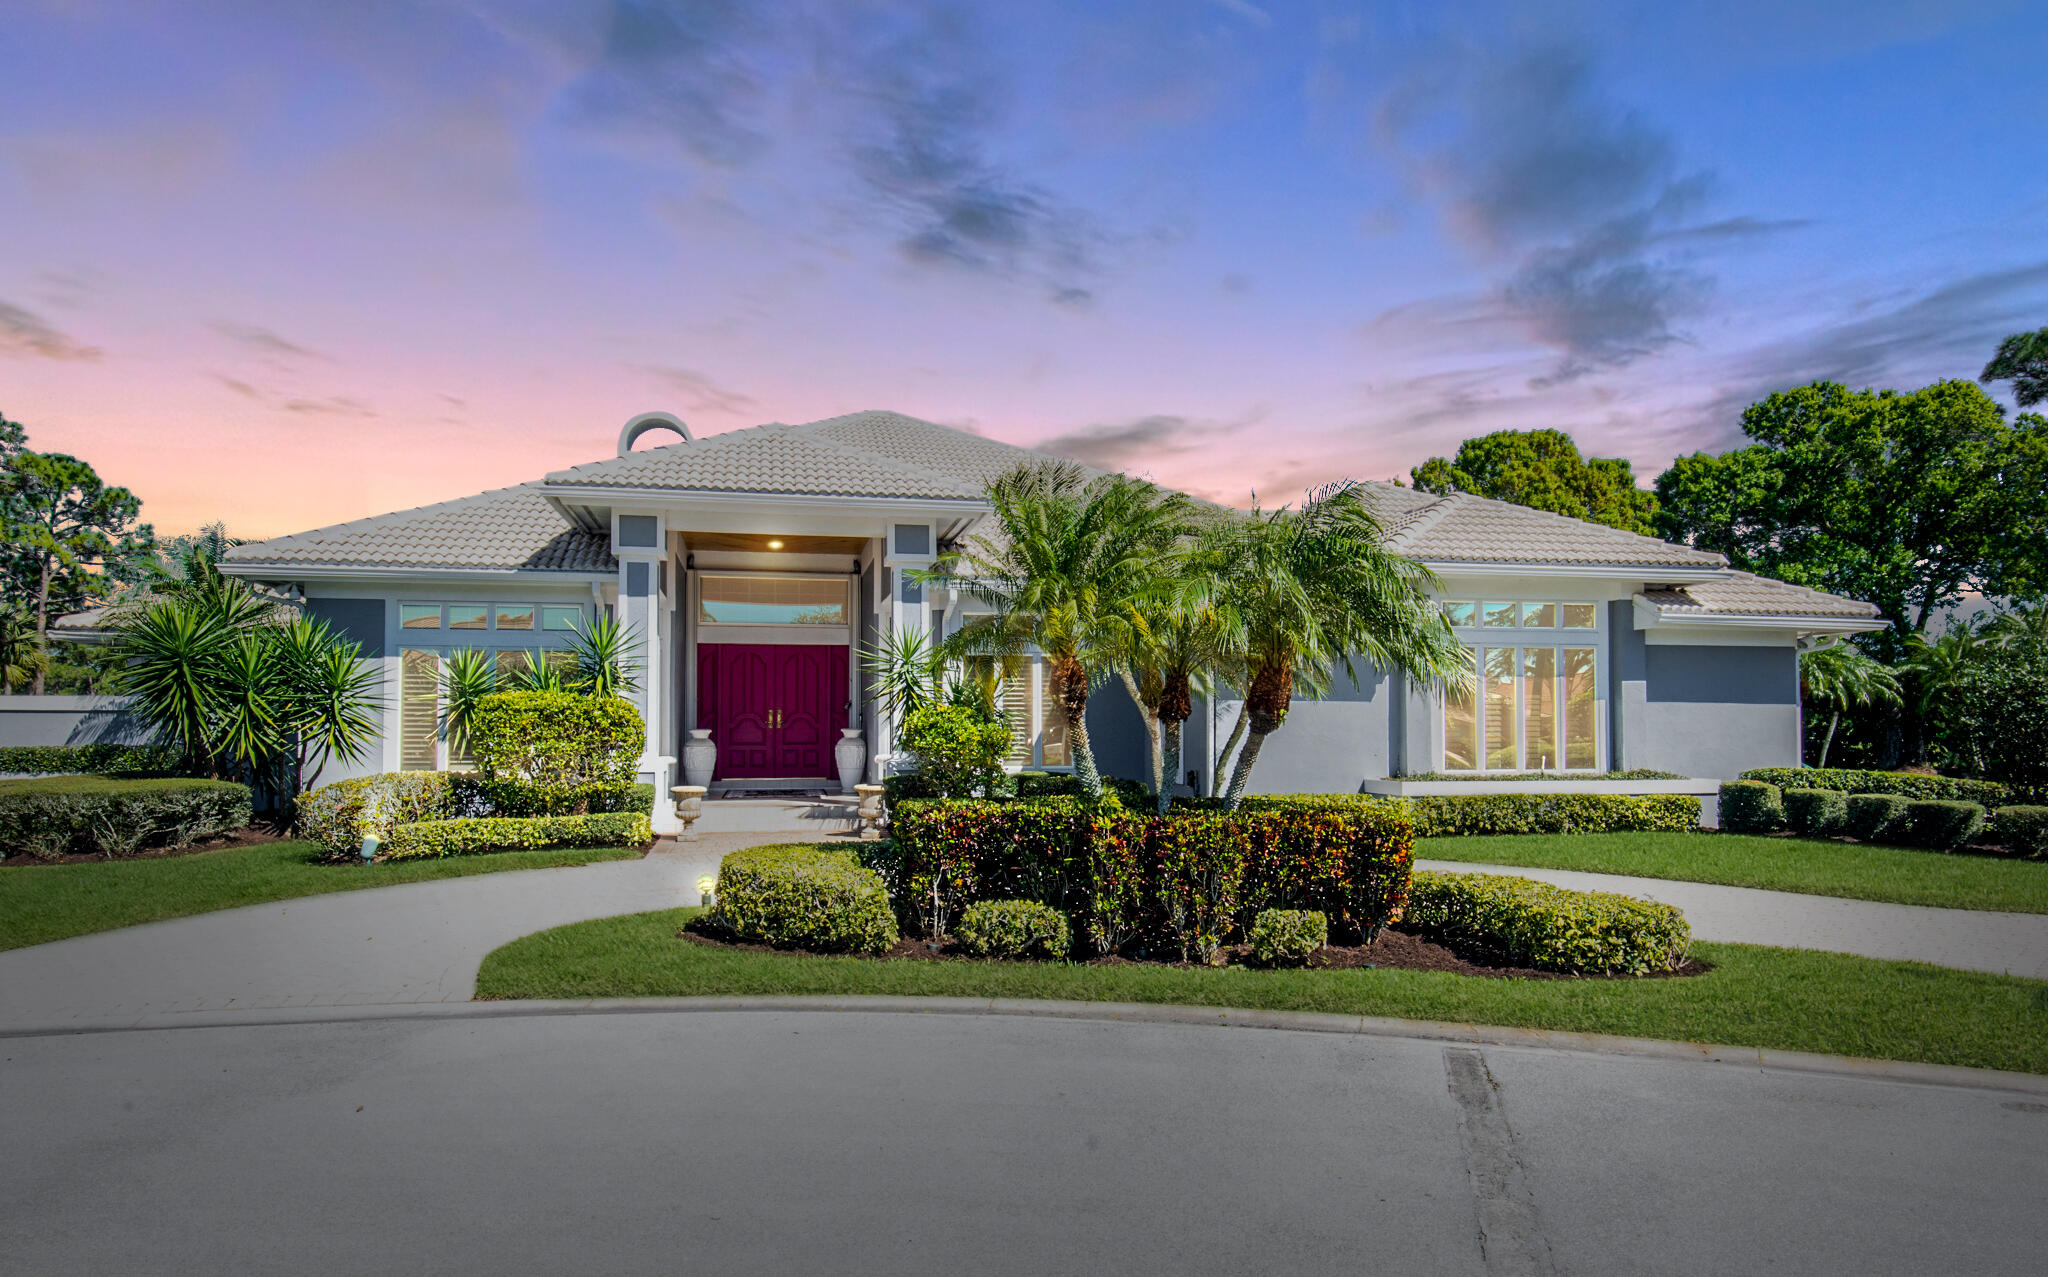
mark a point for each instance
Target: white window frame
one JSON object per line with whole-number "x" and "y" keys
{"x": 1479, "y": 636}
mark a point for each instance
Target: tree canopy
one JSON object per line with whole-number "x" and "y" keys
{"x": 2022, "y": 359}
{"x": 1542, "y": 469}
{"x": 1908, "y": 500}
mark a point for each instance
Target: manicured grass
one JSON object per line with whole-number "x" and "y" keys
{"x": 1900, "y": 875}
{"x": 1783, "y": 998}
{"x": 39, "y": 903}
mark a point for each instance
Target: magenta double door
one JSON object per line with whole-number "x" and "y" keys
{"x": 774, "y": 710}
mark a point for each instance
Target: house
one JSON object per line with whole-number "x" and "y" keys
{"x": 755, "y": 564}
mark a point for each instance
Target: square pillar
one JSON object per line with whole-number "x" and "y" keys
{"x": 640, "y": 545}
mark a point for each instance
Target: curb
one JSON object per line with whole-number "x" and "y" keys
{"x": 1950, "y": 1075}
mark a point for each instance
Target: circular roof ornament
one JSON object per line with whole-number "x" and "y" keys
{"x": 647, "y": 421}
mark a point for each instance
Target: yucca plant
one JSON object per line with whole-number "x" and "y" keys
{"x": 605, "y": 652}
{"x": 544, "y": 676}
{"x": 174, "y": 651}
{"x": 467, "y": 676}
{"x": 909, "y": 673}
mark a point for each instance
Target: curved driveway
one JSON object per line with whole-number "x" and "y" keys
{"x": 780, "y": 1142}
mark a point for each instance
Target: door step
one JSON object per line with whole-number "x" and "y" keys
{"x": 814, "y": 816}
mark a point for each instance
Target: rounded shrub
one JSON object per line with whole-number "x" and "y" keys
{"x": 2023, "y": 830}
{"x": 1752, "y": 807}
{"x": 1943, "y": 826}
{"x": 1288, "y": 937}
{"x": 1816, "y": 813}
{"x": 1538, "y": 925}
{"x": 959, "y": 750}
{"x": 1013, "y": 929}
{"x": 804, "y": 896}
{"x": 467, "y": 837}
{"x": 1877, "y": 817}
{"x": 547, "y": 750}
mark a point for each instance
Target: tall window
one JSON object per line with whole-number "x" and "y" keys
{"x": 1038, "y": 722}
{"x": 1535, "y": 703}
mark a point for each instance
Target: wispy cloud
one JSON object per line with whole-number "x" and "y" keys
{"x": 332, "y": 405}
{"x": 702, "y": 394}
{"x": 1135, "y": 445}
{"x": 686, "y": 70}
{"x": 25, "y": 334}
{"x": 262, "y": 340}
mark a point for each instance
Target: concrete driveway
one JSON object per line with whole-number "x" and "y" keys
{"x": 832, "y": 1142}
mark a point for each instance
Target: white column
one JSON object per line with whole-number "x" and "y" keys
{"x": 642, "y": 609}
{"x": 906, "y": 548}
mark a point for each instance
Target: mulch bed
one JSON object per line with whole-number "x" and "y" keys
{"x": 246, "y": 836}
{"x": 1395, "y": 950}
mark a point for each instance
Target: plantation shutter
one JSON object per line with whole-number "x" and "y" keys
{"x": 1017, "y": 709}
{"x": 419, "y": 710}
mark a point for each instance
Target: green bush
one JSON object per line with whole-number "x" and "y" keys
{"x": 553, "y": 745}
{"x": 470, "y": 835}
{"x": 1288, "y": 937}
{"x": 1188, "y": 880}
{"x": 96, "y": 815}
{"x": 804, "y": 896}
{"x": 1014, "y": 929}
{"x": 1537, "y": 925}
{"x": 1943, "y": 826}
{"x": 518, "y": 798}
{"x": 1633, "y": 773}
{"x": 1849, "y": 780}
{"x": 89, "y": 760}
{"x": 1877, "y": 817}
{"x": 340, "y": 815}
{"x": 1816, "y": 813}
{"x": 1995, "y": 719}
{"x": 2023, "y": 830}
{"x": 958, "y": 750}
{"x": 1452, "y": 815}
{"x": 1752, "y": 807}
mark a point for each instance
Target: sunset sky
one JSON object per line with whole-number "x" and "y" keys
{"x": 284, "y": 264}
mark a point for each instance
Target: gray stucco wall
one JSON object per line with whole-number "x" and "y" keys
{"x": 69, "y": 720}
{"x": 1702, "y": 710}
{"x": 1116, "y": 732}
{"x": 1327, "y": 745}
{"x": 358, "y": 620}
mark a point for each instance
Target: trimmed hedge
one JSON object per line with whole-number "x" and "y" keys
{"x": 1288, "y": 937}
{"x": 805, "y": 896}
{"x": 1816, "y": 813}
{"x": 1537, "y": 925}
{"x": 1014, "y": 929}
{"x": 1752, "y": 807}
{"x": 1633, "y": 773}
{"x": 1465, "y": 815}
{"x": 337, "y": 816}
{"x": 1943, "y": 826}
{"x": 556, "y": 743}
{"x": 97, "y": 815}
{"x": 2023, "y": 830}
{"x": 909, "y": 787}
{"x": 517, "y": 798}
{"x": 1905, "y": 784}
{"x": 1185, "y": 881}
{"x": 471, "y": 835}
{"x": 1877, "y": 817}
{"x": 89, "y": 760}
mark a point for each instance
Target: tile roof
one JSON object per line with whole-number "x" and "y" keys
{"x": 507, "y": 529}
{"x": 1466, "y": 529}
{"x": 1742, "y": 594}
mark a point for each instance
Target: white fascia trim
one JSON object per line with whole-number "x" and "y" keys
{"x": 1635, "y": 572}
{"x": 323, "y": 572}
{"x": 608, "y": 495}
{"x": 1649, "y": 616}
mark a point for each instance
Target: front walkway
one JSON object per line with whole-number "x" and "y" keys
{"x": 1968, "y": 939}
{"x": 424, "y": 942}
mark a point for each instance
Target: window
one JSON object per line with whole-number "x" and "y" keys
{"x": 467, "y": 616}
{"x": 561, "y": 618}
{"x": 1535, "y": 704}
{"x": 419, "y": 616}
{"x": 1038, "y": 722}
{"x": 515, "y": 616}
{"x": 419, "y": 715}
{"x": 771, "y": 600}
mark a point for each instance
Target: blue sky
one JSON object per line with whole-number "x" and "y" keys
{"x": 285, "y": 264}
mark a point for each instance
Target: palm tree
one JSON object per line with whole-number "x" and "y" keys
{"x": 1316, "y": 587}
{"x": 1841, "y": 676}
{"x": 23, "y": 653}
{"x": 1070, "y": 566}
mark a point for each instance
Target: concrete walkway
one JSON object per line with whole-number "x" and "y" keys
{"x": 425, "y": 942}
{"x": 1968, "y": 939}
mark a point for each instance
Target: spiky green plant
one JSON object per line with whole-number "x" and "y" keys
{"x": 1839, "y": 677}
{"x": 605, "y": 653}
{"x": 467, "y": 676}
{"x": 908, "y": 672}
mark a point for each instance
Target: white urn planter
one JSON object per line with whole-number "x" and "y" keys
{"x": 700, "y": 756}
{"x": 851, "y": 753}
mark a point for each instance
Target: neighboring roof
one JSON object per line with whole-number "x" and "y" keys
{"x": 509, "y": 529}
{"x": 1744, "y": 594}
{"x": 1461, "y": 528}
{"x": 862, "y": 454}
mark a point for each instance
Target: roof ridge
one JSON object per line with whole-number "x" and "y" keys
{"x": 699, "y": 444}
{"x": 371, "y": 520}
{"x": 1426, "y": 518}
{"x": 1521, "y": 509}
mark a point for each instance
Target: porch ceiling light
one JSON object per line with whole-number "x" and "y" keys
{"x": 774, "y": 545}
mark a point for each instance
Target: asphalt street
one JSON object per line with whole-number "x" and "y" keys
{"x": 834, "y": 1142}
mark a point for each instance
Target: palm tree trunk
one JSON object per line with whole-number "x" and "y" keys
{"x": 1152, "y": 728}
{"x": 42, "y": 619}
{"x": 1070, "y": 686}
{"x": 1241, "y": 775}
{"x": 1828, "y": 739}
{"x": 1230, "y": 743}
{"x": 1172, "y": 734}
{"x": 1084, "y": 758}
{"x": 1265, "y": 702}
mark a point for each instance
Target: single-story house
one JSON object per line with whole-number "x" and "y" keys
{"x": 754, "y": 565}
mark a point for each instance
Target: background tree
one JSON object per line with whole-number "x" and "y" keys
{"x": 1071, "y": 567}
{"x": 69, "y": 536}
{"x": 1542, "y": 469}
{"x": 1909, "y": 501}
{"x": 1839, "y": 677}
{"x": 2022, "y": 359}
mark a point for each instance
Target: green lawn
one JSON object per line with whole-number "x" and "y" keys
{"x": 1900, "y": 875}
{"x": 39, "y": 903}
{"x": 1782, "y": 998}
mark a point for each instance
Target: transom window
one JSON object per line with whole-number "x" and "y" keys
{"x": 509, "y": 617}
{"x": 1536, "y": 699}
{"x": 771, "y": 600}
